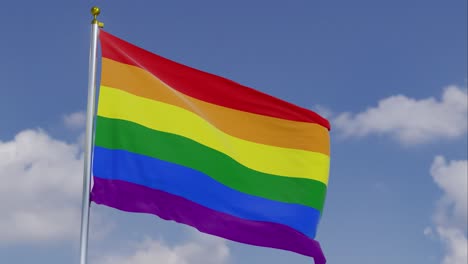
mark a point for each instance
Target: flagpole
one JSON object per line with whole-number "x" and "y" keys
{"x": 89, "y": 138}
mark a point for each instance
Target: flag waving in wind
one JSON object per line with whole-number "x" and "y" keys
{"x": 204, "y": 151}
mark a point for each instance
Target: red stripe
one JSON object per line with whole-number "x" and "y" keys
{"x": 205, "y": 86}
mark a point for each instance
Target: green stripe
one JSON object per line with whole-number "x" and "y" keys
{"x": 125, "y": 135}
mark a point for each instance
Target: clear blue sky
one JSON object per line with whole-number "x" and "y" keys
{"x": 344, "y": 56}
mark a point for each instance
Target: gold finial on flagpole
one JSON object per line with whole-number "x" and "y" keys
{"x": 95, "y": 11}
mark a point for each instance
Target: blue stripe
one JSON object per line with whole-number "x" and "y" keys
{"x": 200, "y": 188}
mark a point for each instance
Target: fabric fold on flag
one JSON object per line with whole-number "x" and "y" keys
{"x": 204, "y": 151}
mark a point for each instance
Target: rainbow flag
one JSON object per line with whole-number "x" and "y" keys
{"x": 204, "y": 151}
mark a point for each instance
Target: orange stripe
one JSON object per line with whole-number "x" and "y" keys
{"x": 252, "y": 127}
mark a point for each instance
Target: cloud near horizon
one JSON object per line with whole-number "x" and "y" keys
{"x": 41, "y": 182}
{"x": 200, "y": 249}
{"x": 411, "y": 121}
{"x": 450, "y": 216}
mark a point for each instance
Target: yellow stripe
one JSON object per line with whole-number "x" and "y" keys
{"x": 268, "y": 130}
{"x": 115, "y": 103}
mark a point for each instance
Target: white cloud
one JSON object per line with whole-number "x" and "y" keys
{"x": 452, "y": 178}
{"x": 409, "y": 120}
{"x": 75, "y": 120}
{"x": 450, "y": 216}
{"x": 456, "y": 245}
{"x": 202, "y": 249}
{"x": 41, "y": 181}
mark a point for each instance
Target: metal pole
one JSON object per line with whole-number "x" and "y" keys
{"x": 89, "y": 136}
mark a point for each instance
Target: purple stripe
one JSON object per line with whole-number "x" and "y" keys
{"x": 131, "y": 197}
